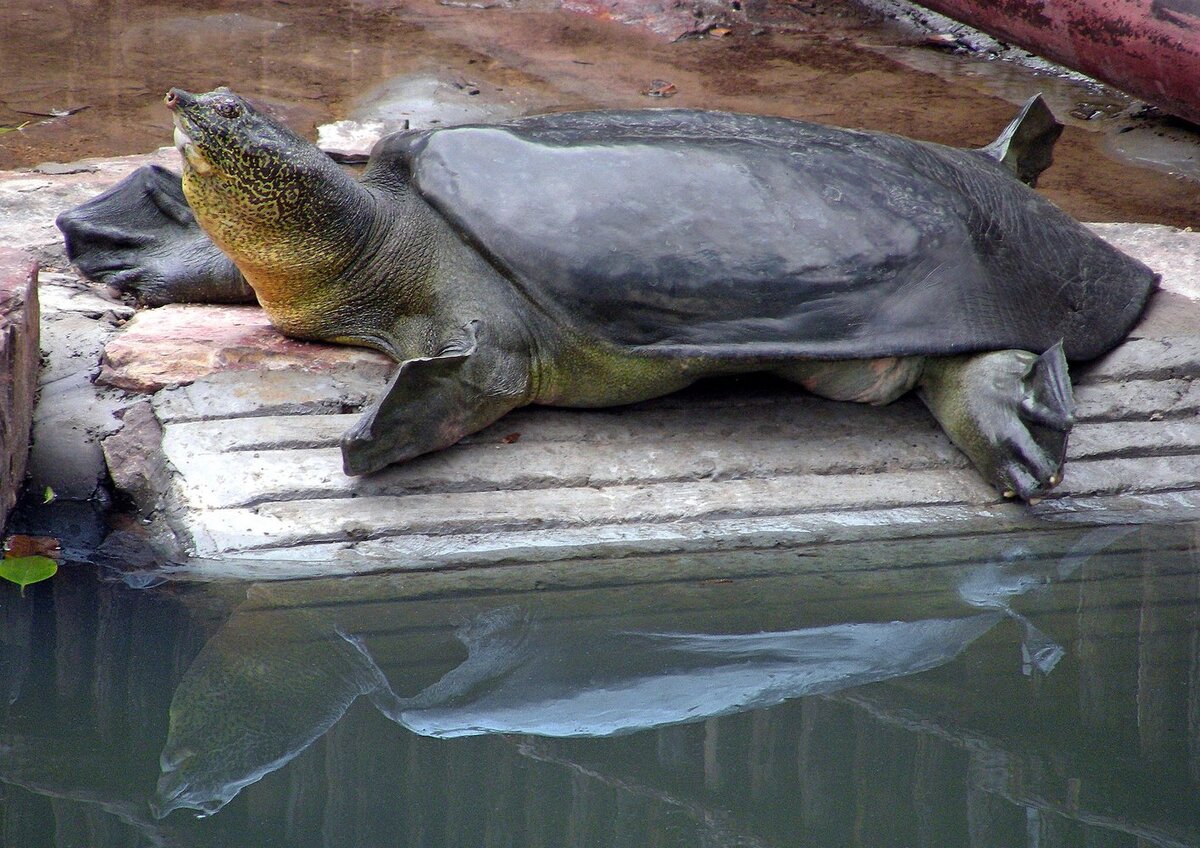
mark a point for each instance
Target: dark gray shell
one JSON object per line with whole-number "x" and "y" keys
{"x": 688, "y": 233}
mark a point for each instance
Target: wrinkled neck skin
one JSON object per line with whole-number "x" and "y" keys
{"x": 329, "y": 259}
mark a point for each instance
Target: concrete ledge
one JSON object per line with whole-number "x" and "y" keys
{"x": 19, "y": 357}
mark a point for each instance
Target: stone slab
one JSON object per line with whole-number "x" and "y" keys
{"x": 235, "y": 394}
{"x": 179, "y": 343}
{"x": 671, "y": 21}
{"x": 574, "y": 551}
{"x": 78, "y": 318}
{"x": 1167, "y": 398}
{"x": 829, "y": 444}
{"x": 19, "y": 359}
{"x": 73, "y": 413}
{"x": 1169, "y": 251}
{"x": 819, "y": 438}
{"x": 1140, "y": 358}
{"x": 574, "y": 512}
{"x": 283, "y": 523}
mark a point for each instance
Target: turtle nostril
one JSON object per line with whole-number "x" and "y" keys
{"x": 172, "y": 99}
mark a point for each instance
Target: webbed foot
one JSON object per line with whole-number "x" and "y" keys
{"x": 140, "y": 236}
{"x": 1009, "y": 411}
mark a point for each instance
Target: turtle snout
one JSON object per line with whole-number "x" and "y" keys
{"x": 177, "y": 98}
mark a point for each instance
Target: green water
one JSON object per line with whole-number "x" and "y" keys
{"x": 971, "y": 691}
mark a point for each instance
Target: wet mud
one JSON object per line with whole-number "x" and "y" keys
{"x": 85, "y": 78}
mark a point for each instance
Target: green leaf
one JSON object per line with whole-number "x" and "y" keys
{"x": 47, "y": 495}
{"x": 27, "y": 569}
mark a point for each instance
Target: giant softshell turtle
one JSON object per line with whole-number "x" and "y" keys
{"x": 601, "y": 258}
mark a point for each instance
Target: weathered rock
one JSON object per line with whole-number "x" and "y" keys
{"x": 135, "y": 470}
{"x": 73, "y": 414}
{"x": 177, "y": 344}
{"x": 1173, "y": 253}
{"x": 19, "y": 356}
{"x": 420, "y": 101}
{"x": 670, "y": 20}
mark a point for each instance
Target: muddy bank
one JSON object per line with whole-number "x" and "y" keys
{"x": 836, "y": 62}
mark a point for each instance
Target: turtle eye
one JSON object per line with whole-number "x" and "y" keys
{"x": 228, "y": 109}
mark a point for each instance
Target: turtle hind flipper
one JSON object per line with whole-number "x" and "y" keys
{"x": 141, "y": 237}
{"x": 1026, "y": 145}
{"x": 1009, "y": 411}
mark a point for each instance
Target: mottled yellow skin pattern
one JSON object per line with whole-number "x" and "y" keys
{"x": 282, "y": 259}
{"x": 289, "y": 261}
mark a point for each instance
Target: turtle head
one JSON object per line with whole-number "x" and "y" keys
{"x": 279, "y": 207}
{"x": 223, "y": 137}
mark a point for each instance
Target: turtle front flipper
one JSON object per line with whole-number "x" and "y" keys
{"x": 432, "y": 402}
{"x": 140, "y": 236}
{"x": 1009, "y": 411}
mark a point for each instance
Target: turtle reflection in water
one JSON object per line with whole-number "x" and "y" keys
{"x": 602, "y": 258}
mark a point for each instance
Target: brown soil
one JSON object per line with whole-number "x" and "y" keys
{"x": 823, "y": 61}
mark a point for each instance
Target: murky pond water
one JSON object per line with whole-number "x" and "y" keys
{"x": 983, "y": 691}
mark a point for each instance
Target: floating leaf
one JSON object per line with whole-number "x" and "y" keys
{"x": 48, "y": 495}
{"x": 28, "y": 569}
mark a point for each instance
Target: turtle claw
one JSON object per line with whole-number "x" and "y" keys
{"x": 140, "y": 237}
{"x": 1009, "y": 411}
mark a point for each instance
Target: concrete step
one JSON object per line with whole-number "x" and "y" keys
{"x": 223, "y": 477}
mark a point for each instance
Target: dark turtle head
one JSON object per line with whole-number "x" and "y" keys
{"x": 225, "y": 138}
{"x": 279, "y": 207}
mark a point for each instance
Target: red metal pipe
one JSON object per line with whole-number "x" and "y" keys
{"x": 1149, "y": 48}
